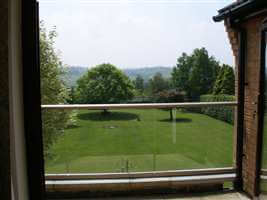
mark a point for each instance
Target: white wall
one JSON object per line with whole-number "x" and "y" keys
{"x": 18, "y": 155}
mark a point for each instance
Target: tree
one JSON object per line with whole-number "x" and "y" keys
{"x": 170, "y": 96}
{"x": 104, "y": 84}
{"x": 72, "y": 98}
{"x": 139, "y": 84}
{"x": 53, "y": 89}
{"x": 180, "y": 74}
{"x": 195, "y": 74}
{"x": 225, "y": 82}
{"x": 158, "y": 83}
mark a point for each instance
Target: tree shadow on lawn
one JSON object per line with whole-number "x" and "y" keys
{"x": 111, "y": 116}
{"x": 177, "y": 120}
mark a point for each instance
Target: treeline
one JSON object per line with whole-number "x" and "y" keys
{"x": 194, "y": 75}
{"x": 73, "y": 73}
{"x": 198, "y": 74}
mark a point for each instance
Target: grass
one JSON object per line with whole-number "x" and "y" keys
{"x": 264, "y": 145}
{"x": 141, "y": 140}
{"x": 263, "y": 183}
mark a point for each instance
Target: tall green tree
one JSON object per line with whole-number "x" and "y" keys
{"x": 158, "y": 83}
{"x": 104, "y": 84}
{"x": 181, "y": 73}
{"x": 196, "y": 73}
{"x": 53, "y": 89}
{"x": 225, "y": 82}
{"x": 139, "y": 83}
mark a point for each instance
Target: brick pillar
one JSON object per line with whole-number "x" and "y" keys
{"x": 234, "y": 42}
{"x": 251, "y": 96}
{"x": 251, "y": 118}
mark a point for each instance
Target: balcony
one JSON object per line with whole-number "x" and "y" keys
{"x": 137, "y": 146}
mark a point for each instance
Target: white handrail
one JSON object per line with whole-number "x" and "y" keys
{"x": 135, "y": 106}
{"x": 168, "y": 173}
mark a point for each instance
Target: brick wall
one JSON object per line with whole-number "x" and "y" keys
{"x": 252, "y": 90}
{"x": 252, "y": 86}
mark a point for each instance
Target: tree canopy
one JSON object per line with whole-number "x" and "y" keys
{"x": 158, "y": 83}
{"x": 139, "y": 83}
{"x": 225, "y": 82}
{"x": 104, "y": 84}
{"x": 53, "y": 89}
{"x": 195, "y": 74}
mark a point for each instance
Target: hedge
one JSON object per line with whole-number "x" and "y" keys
{"x": 224, "y": 113}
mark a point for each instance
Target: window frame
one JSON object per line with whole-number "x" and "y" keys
{"x": 261, "y": 173}
{"x": 32, "y": 112}
{"x": 32, "y": 99}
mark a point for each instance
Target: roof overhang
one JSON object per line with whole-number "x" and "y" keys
{"x": 239, "y": 10}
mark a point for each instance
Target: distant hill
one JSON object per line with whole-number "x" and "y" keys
{"x": 148, "y": 72}
{"x": 75, "y": 72}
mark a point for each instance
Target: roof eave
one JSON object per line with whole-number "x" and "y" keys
{"x": 237, "y": 10}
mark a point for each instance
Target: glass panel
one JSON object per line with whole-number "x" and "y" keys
{"x": 135, "y": 140}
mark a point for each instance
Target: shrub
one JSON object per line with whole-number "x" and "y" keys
{"x": 224, "y": 113}
{"x": 169, "y": 97}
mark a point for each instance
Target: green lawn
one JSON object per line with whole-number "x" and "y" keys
{"x": 141, "y": 140}
{"x": 264, "y": 145}
{"x": 263, "y": 185}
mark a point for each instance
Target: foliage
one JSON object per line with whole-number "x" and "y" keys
{"x": 158, "y": 84}
{"x": 53, "y": 89}
{"x": 224, "y": 113}
{"x": 142, "y": 99}
{"x": 139, "y": 84}
{"x": 196, "y": 73}
{"x": 104, "y": 84}
{"x": 72, "y": 96}
{"x": 225, "y": 82}
{"x": 76, "y": 72}
{"x": 181, "y": 73}
{"x": 170, "y": 97}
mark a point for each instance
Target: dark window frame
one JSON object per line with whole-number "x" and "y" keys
{"x": 241, "y": 66}
{"x": 32, "y": 99}
{"x": 261, "y": 104}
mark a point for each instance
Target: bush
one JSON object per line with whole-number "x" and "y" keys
{"x": 224, "y": 113}
{"x": 141, "y": 99}
{"x": 169, "y": 97}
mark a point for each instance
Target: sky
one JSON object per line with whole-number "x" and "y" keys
{"x": 135, "y": 33}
